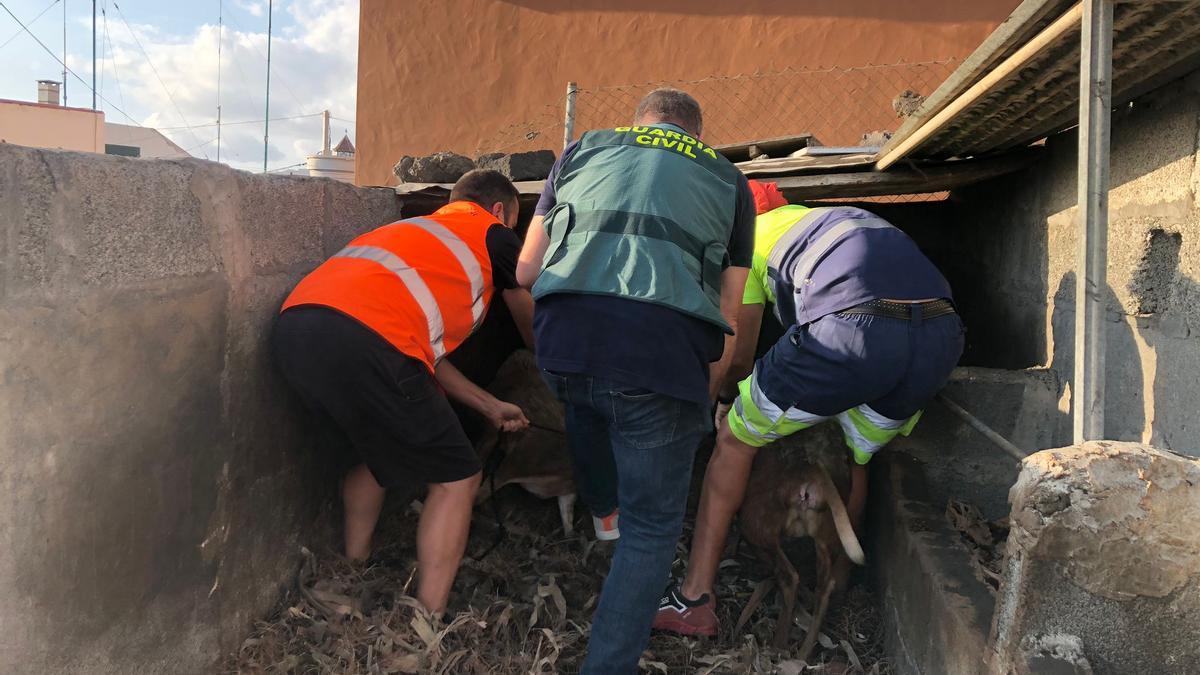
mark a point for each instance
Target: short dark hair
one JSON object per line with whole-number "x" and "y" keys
{"x": 671, "y": 105}
{"x": 484, "y": 187}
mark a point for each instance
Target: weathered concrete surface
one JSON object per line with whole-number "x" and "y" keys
{"x": 156, "y": 478}
{"x": 1104, "y": 547}
{"x": 1014, "y": 279}
{"x": 937, "y": 609}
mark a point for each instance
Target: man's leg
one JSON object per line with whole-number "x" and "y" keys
{"x": 722, "y": 494}
{"x": 362, "y": 500}
{"x": 654, "y": 440}
{"x": 592, "y": 463}
{"x": 442, "y": 538}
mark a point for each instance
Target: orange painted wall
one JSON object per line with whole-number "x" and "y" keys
{"x": 51, "y": 126}
{"x": 456, "y": 74}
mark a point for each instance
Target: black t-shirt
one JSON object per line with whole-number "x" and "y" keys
{"x": 503, "y": 247}
{"x": 636, "y": 343}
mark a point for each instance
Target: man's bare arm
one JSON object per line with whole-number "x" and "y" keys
{"x": 733, "y": 285}
{"x": 529, "y": 265}
{"x": 505, "y": 416}
{"x": 742, "y": 362}
{"x": 520, "y": 306}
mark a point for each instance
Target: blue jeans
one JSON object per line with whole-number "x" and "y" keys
{"x": 635, "y": 448}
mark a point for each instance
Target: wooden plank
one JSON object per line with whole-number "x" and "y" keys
{"x": 792, "y": 166}
{"x": 899, "y": 181}
{"x": 524, "y": 187}
{"x": 895, "y": 151}
{"x": 1029, "y": 17}
{"x": 780, "y": 146}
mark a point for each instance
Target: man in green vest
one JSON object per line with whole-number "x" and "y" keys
{"x": 640, "y": 247}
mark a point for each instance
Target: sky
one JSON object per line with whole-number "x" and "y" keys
{"x": 157, "y": 67}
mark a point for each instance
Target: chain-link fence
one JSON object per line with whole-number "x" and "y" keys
{"x": 838, "y": 106}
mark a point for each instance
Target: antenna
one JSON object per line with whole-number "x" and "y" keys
{"x": 93, "y": 54}
{"x": 220, "y": 40}
{"x": 267, "y": 116}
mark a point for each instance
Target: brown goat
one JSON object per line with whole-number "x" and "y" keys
{"x": 537, "y": 458}
{"x": 791, "y": 495}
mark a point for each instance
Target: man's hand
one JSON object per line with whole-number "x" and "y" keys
{"x": 721, "y": 413}
{"x": 507, "y": 417}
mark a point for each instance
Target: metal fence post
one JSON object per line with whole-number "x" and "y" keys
{"x": 569, "y": 120}
{"x": 1091, "y": 283}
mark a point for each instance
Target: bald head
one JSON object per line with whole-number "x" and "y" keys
{"x": 670, "y": 105}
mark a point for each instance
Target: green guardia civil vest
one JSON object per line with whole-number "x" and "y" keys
{"x": 643, "y": 213}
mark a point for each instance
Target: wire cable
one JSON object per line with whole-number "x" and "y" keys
{"x": 228, "y": 124}
{"x": 158, "y": 77}
{"x": 65, "y": 67}
{"x": 31, "y": 22}
{"x": 116, "y": 68}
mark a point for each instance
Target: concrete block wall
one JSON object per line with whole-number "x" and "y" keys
{"x": 156, "y": 478}
{"x": 1014, "y": 273}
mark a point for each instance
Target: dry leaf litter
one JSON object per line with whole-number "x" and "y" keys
{"x": 525, "y": 607}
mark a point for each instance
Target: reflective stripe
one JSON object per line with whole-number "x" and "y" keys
{"x": 866, "y": 431}
{"x": 808, "y": 259}
{"x": 781, "y": 247}
{"x": 878, "y": 420}
{"x": 415, "y": 284}
{"x": 756, "y": 420}
{"x": 467, "y": 259}
{"x": 799, "y": 270}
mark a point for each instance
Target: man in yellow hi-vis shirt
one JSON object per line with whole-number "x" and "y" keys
{"x": 871, "y": 336}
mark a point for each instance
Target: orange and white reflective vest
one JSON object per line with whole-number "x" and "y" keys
{"x": 423, "y": 284}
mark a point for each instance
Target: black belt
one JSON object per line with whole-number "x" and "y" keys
{"x": 902, "y": 310}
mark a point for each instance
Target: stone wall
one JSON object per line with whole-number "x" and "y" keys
{"x": 156, "y": 479}
{"x": 1014, "y": 274}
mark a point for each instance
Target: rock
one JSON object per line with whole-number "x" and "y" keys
{"x": 534, "y": 165}
{"x": 907, "y": 103}
{"x": 440, "y": 167}
{"x": 1055, "y": 654}
{"x": 875, "y": 139}
{"x": 402, "y": 167}
{"x": 1103, "y": 546}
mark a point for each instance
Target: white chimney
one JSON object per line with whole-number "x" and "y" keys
{"x": 325, "y": 140}
{"x": 48, "y": 92}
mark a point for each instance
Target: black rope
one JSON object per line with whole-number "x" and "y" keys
{"x": 493, "y": 464}
{"x": 494, "y": 460}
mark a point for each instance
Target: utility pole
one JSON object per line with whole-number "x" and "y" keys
{"x": 1091, "y": 279}
{"x": 93, "y": 54}
{"x": 220, "y": 40}
{"x": 64, "y": 77}
{"x": 267, "y": 116}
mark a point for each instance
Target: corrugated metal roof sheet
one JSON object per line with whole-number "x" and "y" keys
{"x": 1154, "y": 41}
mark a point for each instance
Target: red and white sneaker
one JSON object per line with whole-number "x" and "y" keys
{"x": 606, "y": 527}
{"x": 677, "y": 614}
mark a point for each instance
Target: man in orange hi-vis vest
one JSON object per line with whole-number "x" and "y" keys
{"x": 363, "y": 340}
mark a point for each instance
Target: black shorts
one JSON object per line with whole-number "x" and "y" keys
{"x": 387, "y": 404}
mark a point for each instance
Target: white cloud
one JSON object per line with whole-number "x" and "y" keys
{"x": 313, "y": 67}
{"x": 251, "y": 8}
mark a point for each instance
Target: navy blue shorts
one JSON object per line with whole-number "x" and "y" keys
{"x": 873, "y": 374}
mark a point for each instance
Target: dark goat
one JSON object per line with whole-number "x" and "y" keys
{"x": 537, "y": 458}
{"x": 791, "y": 495}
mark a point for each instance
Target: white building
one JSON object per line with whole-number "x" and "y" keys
{"x": 337, "y": 163}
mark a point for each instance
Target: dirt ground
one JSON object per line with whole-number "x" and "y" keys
{"x": 525, "y": 607}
